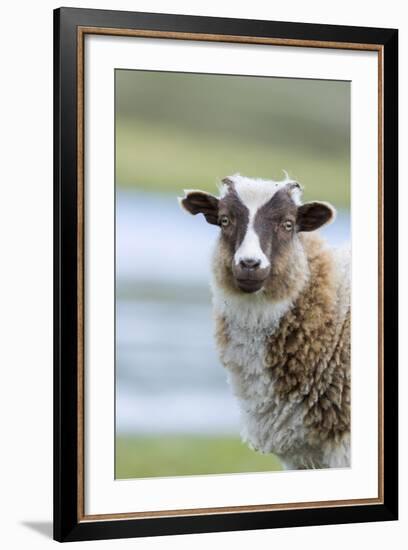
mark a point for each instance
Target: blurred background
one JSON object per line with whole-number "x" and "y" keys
{"x": 175, "y": 414}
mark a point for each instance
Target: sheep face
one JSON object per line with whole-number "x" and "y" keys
{"x": 259, "y": 246}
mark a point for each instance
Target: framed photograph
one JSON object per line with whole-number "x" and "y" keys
{"x": 225, "y": 274}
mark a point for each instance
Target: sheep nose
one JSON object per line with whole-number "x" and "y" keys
{"x": 250, "y": 263}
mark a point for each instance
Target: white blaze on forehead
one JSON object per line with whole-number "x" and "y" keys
{"x": 255, "y": 193}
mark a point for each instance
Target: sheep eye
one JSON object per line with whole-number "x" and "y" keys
{"x": 288, "y": 225}
{"x": 224, "y": 221}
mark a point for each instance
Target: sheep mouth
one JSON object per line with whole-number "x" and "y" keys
{"x": 249, "y": 285}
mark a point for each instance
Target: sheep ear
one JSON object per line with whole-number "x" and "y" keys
{"x": 199, "y": 202}
{"x": 312, "y": 215}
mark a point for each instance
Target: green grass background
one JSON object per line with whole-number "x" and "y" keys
{"x": 199, "y": 161}
{"x": 176, "y": 131}
{"x": 172, "y": 455}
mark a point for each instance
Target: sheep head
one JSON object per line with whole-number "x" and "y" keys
{"x": 261, "y": 221}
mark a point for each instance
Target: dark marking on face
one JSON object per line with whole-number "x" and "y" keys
{"x": 275, "y": 222}
{"x": 237, "y": 214}
{"x": 272, "y": 229}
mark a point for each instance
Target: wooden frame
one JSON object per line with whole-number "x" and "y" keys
{"x": 70, "y": 520}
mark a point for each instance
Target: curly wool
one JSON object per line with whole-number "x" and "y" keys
{"x": 288, "y": 361}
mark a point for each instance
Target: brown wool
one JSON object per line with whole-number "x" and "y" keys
{"x": 323, "y": 363}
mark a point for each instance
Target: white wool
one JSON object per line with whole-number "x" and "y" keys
{"x": 268, "y": 424}
{"x": 342, "y": 260}
{"x": 249, "y": 311}
{"x": 255, "y": 192}
{"x": 338, "y": 456}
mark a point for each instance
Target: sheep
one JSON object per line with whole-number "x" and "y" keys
{"x": 281, "y": 300}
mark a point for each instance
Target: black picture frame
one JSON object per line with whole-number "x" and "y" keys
{"x": 68, "y": 525}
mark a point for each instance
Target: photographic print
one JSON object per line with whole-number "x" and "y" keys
{"x": 232, "y": 326}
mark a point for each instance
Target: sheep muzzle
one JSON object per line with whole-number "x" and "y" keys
{"x": 249, "y": 279}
